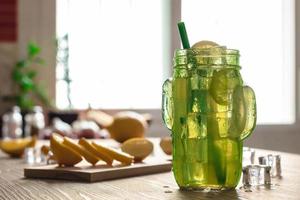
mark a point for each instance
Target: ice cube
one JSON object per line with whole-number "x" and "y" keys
{"x": 29, "y": 155}
{"x": 256, "y": 175}
{"x": 278, "y": 165}
{"x": 262, "y": 160}
{"x": 274, "y": 161}
{"x": 248, "y": 156}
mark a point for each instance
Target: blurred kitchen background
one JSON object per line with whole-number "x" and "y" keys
{"x": 69, "y": 56}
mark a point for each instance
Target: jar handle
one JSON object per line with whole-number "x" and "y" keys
{"x": 167, "y": 103}
{"x": 250, "y": 109}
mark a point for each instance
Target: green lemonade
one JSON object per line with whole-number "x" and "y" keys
{"x": 210, "y": 113}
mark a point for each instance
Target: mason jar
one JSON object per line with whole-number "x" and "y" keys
{"x": 209, "y": 112}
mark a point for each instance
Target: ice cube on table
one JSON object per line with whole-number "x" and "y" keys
{"x": 29, "y": 155}
{"x": 256, "y": 175}
{"x": 34, "y": 155}
{"x": 274, "y": 161}
{"x": 248, "y": 156}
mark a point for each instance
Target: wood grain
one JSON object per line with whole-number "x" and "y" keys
{"x": 13, "y": 185}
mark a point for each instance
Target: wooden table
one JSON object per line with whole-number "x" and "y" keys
{"x": 13, "y": 185}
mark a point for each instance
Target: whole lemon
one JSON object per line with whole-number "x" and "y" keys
{"x": 139, "y": 148}
{"x": 127, "y": 125}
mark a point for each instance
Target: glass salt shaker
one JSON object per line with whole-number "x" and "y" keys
{"x": 35, "y": 121}
{"x": 12, "y": 123}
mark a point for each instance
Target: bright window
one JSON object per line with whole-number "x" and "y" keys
{"x": 115, "y": 53}
{"x": 116, "y": 50}
{"x": 263, "y": 31}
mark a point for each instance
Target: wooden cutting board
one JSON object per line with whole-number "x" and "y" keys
{"x": 87, "y": 173}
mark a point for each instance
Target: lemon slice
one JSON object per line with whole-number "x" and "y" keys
{"x": 82, "y": 151}
{"x": 204, "y": 44}
{"x": 89, "y": 147}
{"x": 119, "y": 156}
{"x": 16, "y": 147}
{"x": 63, "y": 154}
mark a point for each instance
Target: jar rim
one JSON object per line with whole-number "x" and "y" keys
{"x": 202, "y": 57}
{"x": 213, "y": 51}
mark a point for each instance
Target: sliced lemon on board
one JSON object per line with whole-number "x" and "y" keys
{"x": 16, "y": 147}
{"x": 119, "y": 156}
{"x": 91, "y": 158}
{"x": 63, "y": 154}
{"x": 89, "y": 147}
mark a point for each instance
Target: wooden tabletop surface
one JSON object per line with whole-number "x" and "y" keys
{"x": 14, "y": 186}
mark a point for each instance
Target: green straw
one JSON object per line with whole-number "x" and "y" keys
{"x": 183, "y": 35}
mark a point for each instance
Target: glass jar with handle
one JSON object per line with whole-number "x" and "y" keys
{"x": 209, "y": 112}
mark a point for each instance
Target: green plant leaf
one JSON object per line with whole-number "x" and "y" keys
{"x": 31, "y": 74}
{"x": 26, "y": 83}
{"x": 21, "y": 64}
{"x": 17, "y": 75}
{"x": 23, "y": 75}
{"x": 24, "y": 101}
{"x": 33, "y": 50}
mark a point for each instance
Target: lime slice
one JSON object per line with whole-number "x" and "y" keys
{"x": 223, "y": 83}
{"x": 239, "y": 114}
{"x": 250, "y": 112}
{"x": 243, "y": 118}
